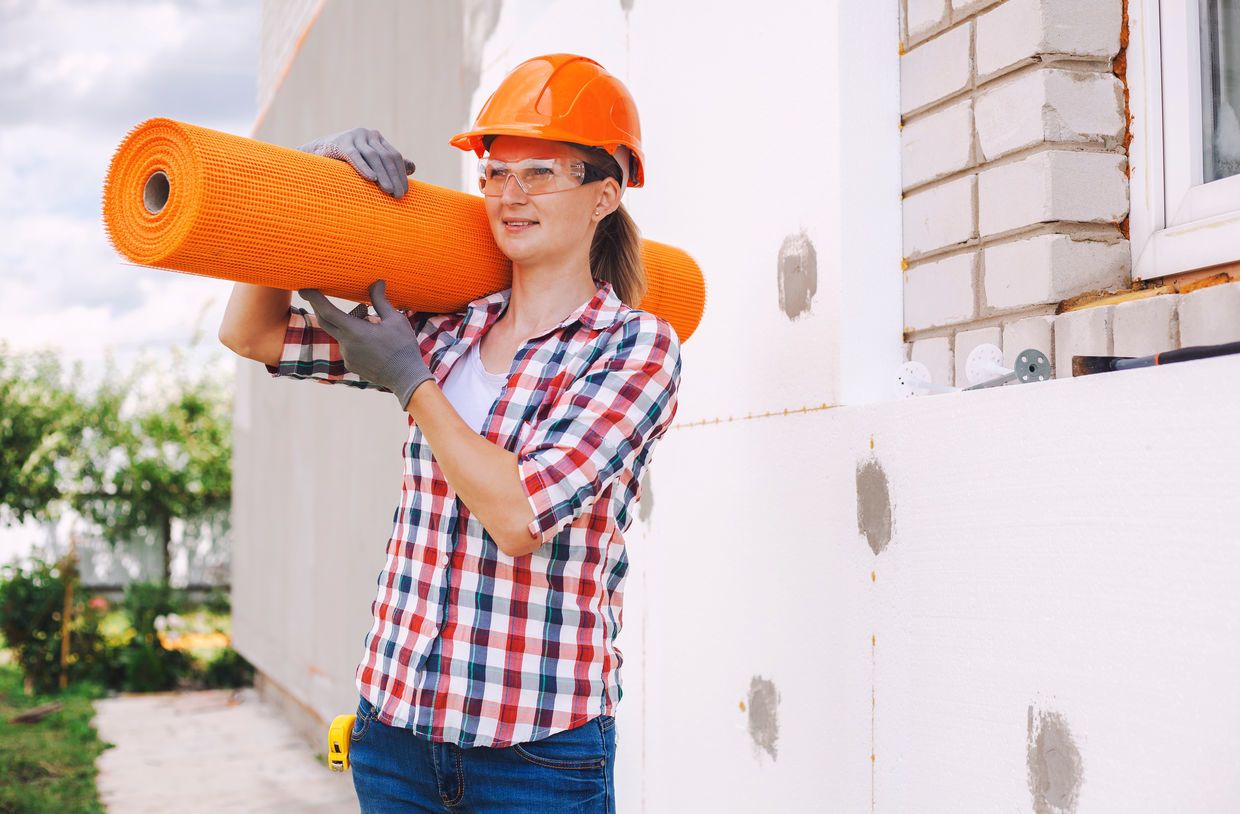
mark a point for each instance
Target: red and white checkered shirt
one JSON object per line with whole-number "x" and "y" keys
{"x": 468, "y": 644}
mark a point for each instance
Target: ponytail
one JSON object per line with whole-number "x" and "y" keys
{"x": 616, "y": 252}
{"x": 616, "y": 256}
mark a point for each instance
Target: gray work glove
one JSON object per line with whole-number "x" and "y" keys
{"x": 383, "y": 352}
{"x": 370, "y": 154}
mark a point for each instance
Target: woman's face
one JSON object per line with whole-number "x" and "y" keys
{"x": 551, "y": 226}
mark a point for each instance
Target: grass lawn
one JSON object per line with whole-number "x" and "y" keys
{"x": 47, "y": 767}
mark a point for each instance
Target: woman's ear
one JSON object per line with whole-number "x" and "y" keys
{"x": 608, "y": 199}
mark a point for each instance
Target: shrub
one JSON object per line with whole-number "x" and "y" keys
{"x": 150, "y": 668}
{"x": 31, "y": 607}
{"x": 32, "y": 603}
{"x": 145, "y": 602}
{"x": 218, "y": 601}
{"x": 229, "y": 669}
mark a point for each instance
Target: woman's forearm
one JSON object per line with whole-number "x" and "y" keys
{"x": 484, "y": 475}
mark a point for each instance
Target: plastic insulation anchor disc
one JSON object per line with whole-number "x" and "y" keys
{"x": 1031, "y": 365}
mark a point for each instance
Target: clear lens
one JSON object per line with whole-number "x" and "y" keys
{"x": 535, "y": 176}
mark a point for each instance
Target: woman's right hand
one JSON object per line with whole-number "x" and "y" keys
{"x": 370, "y": 154}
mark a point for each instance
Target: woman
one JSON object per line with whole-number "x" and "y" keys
{"x": 490, "y": 678}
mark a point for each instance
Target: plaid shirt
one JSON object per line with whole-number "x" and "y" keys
{"x": 468, "y": 644}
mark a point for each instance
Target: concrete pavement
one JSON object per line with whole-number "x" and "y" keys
{"x": 211, "y": 751}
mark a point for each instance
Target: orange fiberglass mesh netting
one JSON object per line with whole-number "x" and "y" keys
{"x": 191, "y": 199}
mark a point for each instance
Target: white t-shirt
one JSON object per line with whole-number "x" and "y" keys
{"x": 472, "y": 389}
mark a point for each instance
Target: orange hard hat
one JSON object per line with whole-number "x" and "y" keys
{"x": 561, "y": 97}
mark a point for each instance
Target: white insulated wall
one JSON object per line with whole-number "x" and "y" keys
{"x": 1055, "y": 607}
{"x": 1020, "y": 599}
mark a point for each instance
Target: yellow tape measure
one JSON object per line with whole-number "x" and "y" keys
{"x": 338, "y": 735}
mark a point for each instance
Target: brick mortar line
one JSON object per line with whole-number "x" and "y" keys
{"x": 991, "y": 321}
{"x": 1082, "y": 65}
{"x": 1047, "y": 58}
{"x": 1077, "y": 230}
{"x": 1172, "y": 285}
{"x": 909, "y": 43}
{"x": 940, "y": 29}
{"x": 1012, "y": 158}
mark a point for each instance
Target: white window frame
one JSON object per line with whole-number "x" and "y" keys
{"x": 1176, "y": 222}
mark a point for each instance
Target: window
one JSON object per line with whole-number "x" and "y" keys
{"x": 1184, "y": 85}
{"x": 1220, "y": 89}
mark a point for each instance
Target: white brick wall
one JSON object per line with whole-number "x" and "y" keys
{"x": 1050, "y": 268}
{"x": 926, "y": 16}
{"x": 1086, "y": 332}
{"x": 936, "y": 70}
{"x": 1146, "y": 326}
{"x": 937, "y": 144}
{"x": 1057, "y": 185}
{"x": 939, "y": 293}
{"x": 962, "y": 7}
{"x": 940, "y": 216}
{"x": 1015, "y": 183}
{"x": 1210, "y": 316}
{"x": 936, "y": 354}
{"x": 1030, "y": 332}
{"x": 1049, "y": 105}
{"x": 1019, "y": 31}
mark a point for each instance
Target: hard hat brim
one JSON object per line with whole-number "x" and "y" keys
{"x": 473, "y": 140}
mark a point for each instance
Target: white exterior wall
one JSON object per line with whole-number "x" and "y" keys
{"x": 317, "y": 468}
{"x": 1013, "y": 599}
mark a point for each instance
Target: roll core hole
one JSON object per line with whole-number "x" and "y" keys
{"x": 155, "y": 194}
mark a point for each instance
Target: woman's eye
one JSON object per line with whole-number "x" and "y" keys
{"x": 543, "y": 171}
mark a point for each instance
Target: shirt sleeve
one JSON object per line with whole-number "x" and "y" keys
{"x": 601, "y": 424}
{"x": 312, "y": 353}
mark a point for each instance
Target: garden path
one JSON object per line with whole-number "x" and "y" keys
{"x": 210, "y": 751}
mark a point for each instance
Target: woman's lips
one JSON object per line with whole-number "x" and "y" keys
{"x": 519, "y": 225}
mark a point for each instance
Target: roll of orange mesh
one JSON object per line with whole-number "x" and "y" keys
{"x": 187, "y": 198}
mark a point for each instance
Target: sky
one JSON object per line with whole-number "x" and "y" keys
{"x": 75, "y": 77}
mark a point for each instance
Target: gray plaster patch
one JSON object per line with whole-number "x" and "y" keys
{"x": 798, "y": 274}
{"x": 763, "y": 706}
{"x": 873, "y": 504}
{"x": 1054, "y": 763}
{"x": 645, "y": 503}
{"x": 627, "y": 5}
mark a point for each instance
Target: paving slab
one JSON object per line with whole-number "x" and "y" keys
{"x": 211, "y": 751}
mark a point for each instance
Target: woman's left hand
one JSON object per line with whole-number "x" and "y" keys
{"x": 383, "y": 352}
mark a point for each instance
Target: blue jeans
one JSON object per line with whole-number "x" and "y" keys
{"x": 395, "y": 770}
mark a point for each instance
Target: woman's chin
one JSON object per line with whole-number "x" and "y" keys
{"x": 519, "y": 251}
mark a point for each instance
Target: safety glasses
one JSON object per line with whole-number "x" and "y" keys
{"x": 535, "y": 176}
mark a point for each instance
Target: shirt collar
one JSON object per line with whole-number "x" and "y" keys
{"x": 597, "y": 313}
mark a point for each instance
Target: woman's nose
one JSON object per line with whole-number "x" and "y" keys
{"x": 512, "y": 191}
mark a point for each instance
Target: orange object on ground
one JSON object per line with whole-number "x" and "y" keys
{"x": 191, "y": 199}
{"x": 561, "y": 97}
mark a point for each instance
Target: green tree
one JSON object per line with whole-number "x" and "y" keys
{"x": 145, "y": 447}
{"x": 160, "y": 448}
{"x": 41, "y": 425}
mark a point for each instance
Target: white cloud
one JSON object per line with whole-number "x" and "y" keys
{"x": 74, "y": 78}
